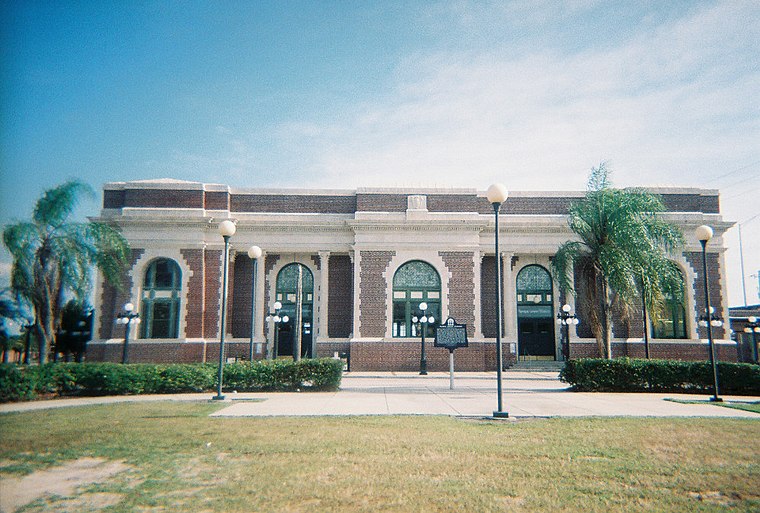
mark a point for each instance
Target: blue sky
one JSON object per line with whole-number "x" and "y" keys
{"x": 346, "y": 94}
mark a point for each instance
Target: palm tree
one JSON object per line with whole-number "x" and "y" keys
{"x": 620, "y": 256}
{"x": 53, "y": 257}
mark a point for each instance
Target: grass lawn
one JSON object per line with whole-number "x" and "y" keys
{"x": 179, "y": 459}
{"x": 737, "y": 405}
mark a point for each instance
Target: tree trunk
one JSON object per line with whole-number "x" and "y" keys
{"x": 604, "y": 317}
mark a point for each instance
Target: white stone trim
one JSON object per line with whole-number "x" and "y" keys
{"x": 402, "y": 257}
{"x": 137, "y": 274}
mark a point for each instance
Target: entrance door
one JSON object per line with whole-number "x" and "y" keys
{"x": 287, "y": 335}
{"x": 535, "y": 314}
{"x": 295, "y": 289}
{"x": 536, "y": 338}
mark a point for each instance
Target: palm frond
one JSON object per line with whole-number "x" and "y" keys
{"x": 57, "y": 204}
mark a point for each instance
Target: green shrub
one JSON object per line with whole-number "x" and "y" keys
{"x": 185, "y": 378}
{"x": 16, "y": 384}
{"x": 636, "y": 375}
{"x": 322, "y": 374}
{"x": 19, "y": 383}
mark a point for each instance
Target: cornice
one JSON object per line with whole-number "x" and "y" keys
{"x": 416, "y": 226}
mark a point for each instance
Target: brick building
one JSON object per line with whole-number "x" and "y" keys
{"x": 365, "y": 259}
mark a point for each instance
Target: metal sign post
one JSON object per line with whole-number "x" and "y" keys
{"x": 451, "y": 336}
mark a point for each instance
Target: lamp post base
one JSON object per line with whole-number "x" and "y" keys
{"x": 501, "y": 415}
{"x": 218, "y": 398}
{"x": 716, "y": 400}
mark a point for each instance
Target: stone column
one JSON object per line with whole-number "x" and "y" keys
{"x": 478, "y": 262}
{"x": 324, "y": 274}
{"x": 510, "y": 298}
{"x": 260, "y": 306}
{"x": 356, "y": 261}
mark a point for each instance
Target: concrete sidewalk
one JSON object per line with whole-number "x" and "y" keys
{"x": 525, "y": 394}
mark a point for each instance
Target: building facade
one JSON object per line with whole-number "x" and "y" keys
{"x": 349, "y": 269}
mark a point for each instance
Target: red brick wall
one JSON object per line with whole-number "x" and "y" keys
{"x": 113, "y": 300}
{"x": 694, "y": 258}
{"x": 157, "y": 198}
{"x": 372, "y": 292}
{"x": 230, "y": 288}
{"x": 239, "y": 323}
{"x": 340, "y": 297}
{"x": 216, "y": 200}
{"x": 195, "y": 294}
{"x": 316, "y": 204}
{"x": 212, "y": 292}
{"x": 381, "y": 202}
{"x": 405, "y": 356}
{"x": 453, "y": 203}
{"x": 113, "y": 199}
{"x": 488, "y": 296}
{"x": 165, "y": 352}
{"x": 665, "y": 350}
{"x": 269, "y": 263}
{"x": 709, "y": 204}
{"x": 461, "y": 287}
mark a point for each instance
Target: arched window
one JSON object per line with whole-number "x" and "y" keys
{"x": 671, "y": 319}
{"x": 415, "y": 282}
{"x": 160, "y": 299}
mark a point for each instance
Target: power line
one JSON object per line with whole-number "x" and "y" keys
{"x": 742, "y": 193}
{"x": 732, "y": 172}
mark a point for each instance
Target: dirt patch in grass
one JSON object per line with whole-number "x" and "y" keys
{"x": 63, "y": 480}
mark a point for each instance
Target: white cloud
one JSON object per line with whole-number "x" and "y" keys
{"x": 676, "y": 98}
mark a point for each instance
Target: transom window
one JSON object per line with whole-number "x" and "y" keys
{"x": 287, "y": 284}
{"x": 162, "y": 288}
{"x": 415, "y": 282}
{"x": 534, "y": 292}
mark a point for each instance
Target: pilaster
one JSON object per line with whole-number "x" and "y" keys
{"x": 322, "y": 301}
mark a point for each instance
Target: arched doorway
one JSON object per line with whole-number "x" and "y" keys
{"x": 535, "y": 314}
{"x": 295, "y": 290}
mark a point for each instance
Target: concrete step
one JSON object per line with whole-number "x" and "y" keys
{"x": 538, "y": 365}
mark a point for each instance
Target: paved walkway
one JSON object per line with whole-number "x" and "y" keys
{"x": 525, "y": 394}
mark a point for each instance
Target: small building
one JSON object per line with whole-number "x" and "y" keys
{"x": 365, "y": 260}
{"x": 745, "y": 331}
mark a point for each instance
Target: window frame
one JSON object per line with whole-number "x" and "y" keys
{"x": 405, "y": 300}
{"x": 154, "y": 296}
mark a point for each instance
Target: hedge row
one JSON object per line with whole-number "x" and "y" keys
{"x": 636, "y": 375}
{"x": 23, "y": 383}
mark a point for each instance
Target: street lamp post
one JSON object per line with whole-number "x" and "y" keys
{"x": 753, "y": 326}
{"x": 704, "y": 233}
{"x": 423, "y": 319}
{"x": 278, "y": 320}
{"x": 127, "y": 317}
{"x": 254, "y": 253}
{"x": 565, "y": 319}
{"x": 226, "y": 229}
{"x": 497, "y": 194}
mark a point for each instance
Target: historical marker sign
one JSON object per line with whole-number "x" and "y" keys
{"x": 451, "y": 335}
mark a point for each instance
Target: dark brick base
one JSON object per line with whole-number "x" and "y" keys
{"x": 663, "y": 350}
{"x": 395, "y": 355}
{"x": 167, "y": 352}
{"x": 405, "y": 356}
